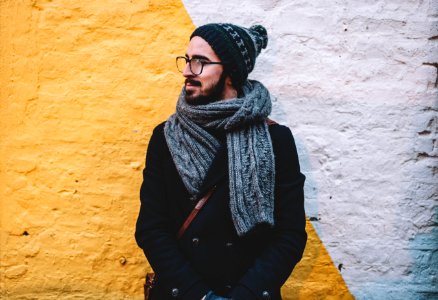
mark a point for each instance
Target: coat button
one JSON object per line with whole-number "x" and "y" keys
{"x": 195, "y": 242}
{"x": 175, "y": 292}
{"x": 266, "y": 295}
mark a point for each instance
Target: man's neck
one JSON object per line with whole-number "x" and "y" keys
{"x": 229, "y": 94}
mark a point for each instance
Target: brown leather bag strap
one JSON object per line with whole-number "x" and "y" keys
{"x": 194, "y": 212}
{"x": 270, "y": 122}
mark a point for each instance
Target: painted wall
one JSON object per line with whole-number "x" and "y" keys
{"x": 83, "y": 83}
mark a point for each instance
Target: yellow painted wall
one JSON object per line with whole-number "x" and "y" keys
{"x": 315, "y": 276}
{"x": 83, "y": 83}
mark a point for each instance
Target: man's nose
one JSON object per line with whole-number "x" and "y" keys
{"x": 186, "y": 72}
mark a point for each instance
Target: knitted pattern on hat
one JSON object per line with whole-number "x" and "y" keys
{"x": 236, "y": 46}
{"x": 250, "y": 155}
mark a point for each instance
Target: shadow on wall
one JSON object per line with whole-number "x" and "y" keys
{"x": 316, "y": 276}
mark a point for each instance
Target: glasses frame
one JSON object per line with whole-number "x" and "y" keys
{"x": 189, "y": 61}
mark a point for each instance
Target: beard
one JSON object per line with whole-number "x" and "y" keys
{"x": 212, "y": 94}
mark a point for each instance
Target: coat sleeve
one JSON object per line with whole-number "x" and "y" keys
{"x": 153, "y": 229}
{"x": 274, "y": 265}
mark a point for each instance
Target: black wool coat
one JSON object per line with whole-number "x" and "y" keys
{"x": 210, "y": 255}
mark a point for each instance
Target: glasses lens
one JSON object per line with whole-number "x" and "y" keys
{"x": 196, "y": 66}
{"x": 181, "y": 63}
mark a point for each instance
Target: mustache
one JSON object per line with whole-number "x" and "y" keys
{"x": 192, "y": 82}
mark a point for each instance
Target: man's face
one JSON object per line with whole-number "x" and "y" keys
{"x": 210, "y": 84}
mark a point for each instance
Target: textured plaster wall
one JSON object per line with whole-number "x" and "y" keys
{"x": 357, "y": 83}
{"x": 83, "y": 83}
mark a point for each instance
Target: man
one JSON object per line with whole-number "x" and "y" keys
{"x": 249, "y": 235}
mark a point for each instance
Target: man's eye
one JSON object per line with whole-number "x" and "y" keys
{"x": 199, "y": 61}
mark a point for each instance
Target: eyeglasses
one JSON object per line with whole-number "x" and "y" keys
{"x": 196, "y": 64}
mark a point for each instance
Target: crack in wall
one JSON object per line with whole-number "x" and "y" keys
{"x": 436, "y": 67}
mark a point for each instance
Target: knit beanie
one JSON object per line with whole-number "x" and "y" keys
{"x": 236, "y": 46}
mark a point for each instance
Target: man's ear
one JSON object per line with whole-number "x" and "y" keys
{"x": 229, "y": 82}
{"x": 229, "y": 89}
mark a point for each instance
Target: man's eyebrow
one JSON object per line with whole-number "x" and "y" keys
{"x": 198, "y": 56}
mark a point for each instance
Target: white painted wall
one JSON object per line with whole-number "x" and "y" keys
{"x": 353, "y": 81}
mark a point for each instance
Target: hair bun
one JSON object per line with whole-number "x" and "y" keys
{"x": 262, "y": 32}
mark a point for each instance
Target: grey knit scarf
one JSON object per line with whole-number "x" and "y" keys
{"x": 250, "y": 155}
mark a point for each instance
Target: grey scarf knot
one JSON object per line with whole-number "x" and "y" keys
{"x": 250, "y": 155}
